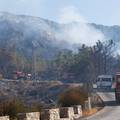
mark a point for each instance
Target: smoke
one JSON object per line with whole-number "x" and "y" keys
{"x": 76, "y": 29}
{"x": 70, "y": 14}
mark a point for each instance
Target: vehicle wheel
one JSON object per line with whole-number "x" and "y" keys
{"x": 117, "y": 98}
{"x": 118, "y": 101}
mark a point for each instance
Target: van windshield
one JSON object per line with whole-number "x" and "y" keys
{"x": 106, "y": 79}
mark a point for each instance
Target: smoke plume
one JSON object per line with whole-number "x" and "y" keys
{"x": 76, "y": 29}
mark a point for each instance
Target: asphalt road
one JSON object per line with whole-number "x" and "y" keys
{"x": 111, "y": 110}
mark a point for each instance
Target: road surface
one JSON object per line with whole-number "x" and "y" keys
{"x": 111, "y": 110}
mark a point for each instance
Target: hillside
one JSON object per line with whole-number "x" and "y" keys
{"x": 26, "y": 33}
{"x": 29, "y": 91}
{"x": 45, "y": 92}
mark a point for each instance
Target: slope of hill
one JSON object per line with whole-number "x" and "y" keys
{"x": 27, "y": 33}
{"x": 111, "y": 32}
{"x": 45, "y": 92}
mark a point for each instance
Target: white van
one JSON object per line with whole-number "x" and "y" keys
{"x": 104, "y": 81}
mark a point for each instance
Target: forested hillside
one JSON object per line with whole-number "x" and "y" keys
{"x": 30, "y": 44}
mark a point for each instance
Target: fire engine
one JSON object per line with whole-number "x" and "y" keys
{"x": 21, "y": 75}
{"x": 117, "y": 88}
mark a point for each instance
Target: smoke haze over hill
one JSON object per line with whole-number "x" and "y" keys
{"x": 78, "y": 31}
{"x": 50, "y": 36}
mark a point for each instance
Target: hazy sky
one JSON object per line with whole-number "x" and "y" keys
{"x": 105, "y": 12}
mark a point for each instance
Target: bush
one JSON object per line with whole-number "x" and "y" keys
{"x": 74, "y": 96}
{"x": 11, "y": 107}
{"x": 14, "y": 106}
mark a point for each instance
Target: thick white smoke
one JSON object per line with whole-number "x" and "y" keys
{"x": 77, "y": 30}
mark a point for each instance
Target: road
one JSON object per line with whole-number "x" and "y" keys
{"x": 111, "y": 110}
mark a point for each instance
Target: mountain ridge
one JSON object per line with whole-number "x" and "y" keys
{"x": 27, "y": 32}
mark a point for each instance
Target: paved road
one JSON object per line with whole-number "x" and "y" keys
{"x": 111, "y": 110}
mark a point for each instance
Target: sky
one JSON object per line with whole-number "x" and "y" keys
{"x": 106, "y": 12}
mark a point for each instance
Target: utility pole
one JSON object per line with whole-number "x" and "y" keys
{"x": 89, "y": 95}
{"x": 88, "y": 87}
{"x": 34, "y": 63}
{"x": 34, "y": 59}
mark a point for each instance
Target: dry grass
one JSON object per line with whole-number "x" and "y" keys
{"x": 91, "y": 112}
{"x": 74, "y": 96}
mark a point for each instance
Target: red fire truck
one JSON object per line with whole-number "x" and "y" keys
{"x": 21, "y": 75}
{"x": 117, "y": 88}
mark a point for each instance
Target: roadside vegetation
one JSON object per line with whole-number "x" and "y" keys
{"x": 14, "y": 106}
{"x": 73, "y": 96}
{"x": 79, "y": 96}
